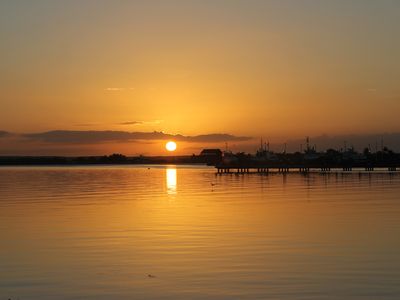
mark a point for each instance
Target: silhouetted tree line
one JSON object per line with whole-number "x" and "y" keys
{"x": 59, "y": 160}
{"x": 115, "y": 158}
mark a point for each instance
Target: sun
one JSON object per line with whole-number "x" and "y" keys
{"x": 170, "y": 146}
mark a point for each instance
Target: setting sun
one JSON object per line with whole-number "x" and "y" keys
{"x": 170, "y": 146}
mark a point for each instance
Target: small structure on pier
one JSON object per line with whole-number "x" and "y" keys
{"x": 211, "y": 156}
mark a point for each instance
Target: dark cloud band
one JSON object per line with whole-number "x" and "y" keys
{"x": 89, "y": 137}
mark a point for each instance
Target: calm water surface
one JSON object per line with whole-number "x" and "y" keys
{"x": 99, "y": 232}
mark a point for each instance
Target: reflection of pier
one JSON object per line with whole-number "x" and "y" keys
{"x": 304, "y": 168}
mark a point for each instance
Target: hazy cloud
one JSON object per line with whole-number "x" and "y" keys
{"x": 116, "y": 89}
{"x": 4, "y": 133}
{"x": 113, "y": 89}
{"x": 153, "y": 122}
{"x": 131, "y": 123}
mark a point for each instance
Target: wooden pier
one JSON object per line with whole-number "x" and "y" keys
{"x": 247, "y": 169}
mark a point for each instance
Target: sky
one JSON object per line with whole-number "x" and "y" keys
{"x": 229, "y": 71}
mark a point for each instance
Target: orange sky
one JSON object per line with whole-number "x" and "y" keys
{"x": 278, "y": 69}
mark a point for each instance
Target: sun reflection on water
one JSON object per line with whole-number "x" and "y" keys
{"x": 171, "y": 180}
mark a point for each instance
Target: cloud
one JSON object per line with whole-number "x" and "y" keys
{"x": 4, "y": 133}
{"x": 91, "y": 137}
{"x": 215, "y": 137}
{"x": 114, "y": 89}
{"x": 131, "y": 123}
{"x": 154, "y": 122}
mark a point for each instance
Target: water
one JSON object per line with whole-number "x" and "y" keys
{"x": 99, "y": 232}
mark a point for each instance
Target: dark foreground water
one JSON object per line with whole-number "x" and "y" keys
{"x": 184, "y": 233}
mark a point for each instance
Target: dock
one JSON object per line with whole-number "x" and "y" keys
{"x": 283, "y": 169}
